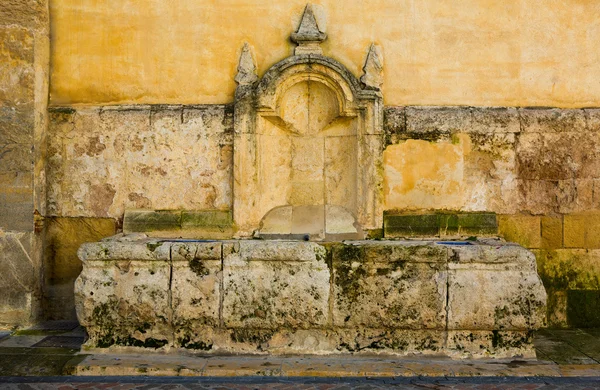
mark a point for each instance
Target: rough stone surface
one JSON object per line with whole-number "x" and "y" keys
{"x": 572, "y": 154}
{"x": 196, "y": 291}
{"x": 500, "y": 159}
{"x": 507, "y": 277}
{"x": 391, "y": 285}
{"x": 282, "y": 297}
{"x": 124, "y": 302}
{"x": 274, "y": 284}
{"x": 18, "y": 279}
{"x": 24, "y": 75}
{"x": 472, "y": 159}
{"x": 497, "y": 343}
{"x": 148, "y": 157}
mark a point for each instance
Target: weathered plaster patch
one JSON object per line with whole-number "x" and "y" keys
{"x": 426, "y": 175}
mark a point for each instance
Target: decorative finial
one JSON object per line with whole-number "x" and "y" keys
{"x": 309, "y": 36}
{"x": 246, "y": 68}
{"x": 373, "y": 69}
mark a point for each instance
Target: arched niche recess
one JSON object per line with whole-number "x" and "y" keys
{"x": 307, "y": 151}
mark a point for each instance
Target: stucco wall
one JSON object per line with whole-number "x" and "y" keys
{"x": 437, "y": 52}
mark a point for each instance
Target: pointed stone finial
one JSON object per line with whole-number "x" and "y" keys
{"x": 246, "y": 68}
{"x": 373, "y": 69}
{"x": 309, "y": 36}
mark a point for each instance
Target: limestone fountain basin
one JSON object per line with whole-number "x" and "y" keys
{"x": 463, "y": 299}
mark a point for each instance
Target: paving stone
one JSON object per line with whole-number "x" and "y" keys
{"x": 344, "y": 367}
{"x": 580, "y": 340}
{"x": 21, "y": 341}
{"x": 262, "y": 366}
{"x": 302, "y": 383}
{"x": 55, "y": 325}
{"x": 558, "y": 351}
{"x": 139, "y": 365}
{"x": 60, "y": 342}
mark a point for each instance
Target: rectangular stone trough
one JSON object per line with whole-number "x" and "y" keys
{"x": 462, "y": 299}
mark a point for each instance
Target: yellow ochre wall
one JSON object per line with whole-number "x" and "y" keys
{"x": 437, "y": 52}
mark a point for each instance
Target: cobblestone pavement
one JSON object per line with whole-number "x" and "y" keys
{"x": 176, "y": 383}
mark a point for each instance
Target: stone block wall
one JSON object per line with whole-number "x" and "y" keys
{"x": 104, "y": 160}
{"x": 24, "y": 65}
{"x": 537, "y": 168}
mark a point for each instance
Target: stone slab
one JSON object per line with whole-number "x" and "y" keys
{"x": 125, "y": 302}
{"x": 338, "y": 366}
{"x": 275, "y": 284}
{"x": 514, "y": 299}
{"x": 147, "y": 249}
{"x": 552, "y": 347}
{"x": 18, "y": 279}
{"x": 439, "y": 224}
{"x": 387, "y": 286}
{"x": 149, "y": 220}
{"x": 551, "y": 120}
{"x": 177, "y": 223}
{"x": 487, "y": 343}
{"x": 195, "y": 289}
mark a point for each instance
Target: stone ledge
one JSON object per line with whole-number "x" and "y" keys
{"x": 179, "y": 223}
{"x": 131, "y": 364}
{"x": 439, "y": 224}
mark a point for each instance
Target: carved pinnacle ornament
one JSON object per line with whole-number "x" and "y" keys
{"x": 246, "y": 68}
{"x": 373, "y": 69}
{"x": 309, "y": 36}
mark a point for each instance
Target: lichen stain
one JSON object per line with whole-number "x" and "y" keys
{"x": 197, "y": 266}
{"x": 92, "y": 148}
{"x": 137, "y": 144}
{"x": 101, "y": 198}
{"x": 225, "y": 156}
{"x": 420, "y": 174}
{"x": 141, "y": 202}
{"x": 148, "y": 170}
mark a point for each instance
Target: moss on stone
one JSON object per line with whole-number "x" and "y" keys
{"x": 435, "y": 223}
{"x": 583, "y": 308}
{"x": 198, "y": 267}
{"x": 252, "y": 336}
{"x": 153, "y": 245}
{"x": 501, "y": 340}
{"x": 349, "y": 270}
{"x": 187, "y": 343}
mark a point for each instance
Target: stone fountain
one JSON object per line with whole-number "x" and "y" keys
{"x": 310, "y": 269}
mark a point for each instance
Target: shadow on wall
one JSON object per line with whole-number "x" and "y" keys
{"x": 64, "y": 236}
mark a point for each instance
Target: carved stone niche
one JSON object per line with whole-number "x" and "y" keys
{"x": 308, "y": 146}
